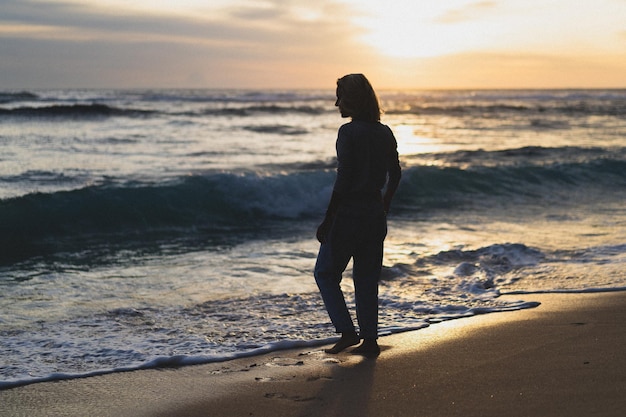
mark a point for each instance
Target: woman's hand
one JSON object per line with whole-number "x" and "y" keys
{"x": 323, "y": 230}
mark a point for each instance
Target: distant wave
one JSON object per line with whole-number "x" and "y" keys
{"x": 539, "y": 94}
{"x": 72, "y": 111}
{"x": 252, "y": 110}
{"x": 40, "y": 176}
{"x": 278, "y": 129}
{"x": 9, "y": 97}
{"x": 533, "y": 112}
{"x": 611, "y": 108}
{"x": 534, "y": 104}
{"x": 103, "y": 110}
{"x": 233, "y": 96}
{"x": 270, "y": 108}
{"x": 525, "y": 156}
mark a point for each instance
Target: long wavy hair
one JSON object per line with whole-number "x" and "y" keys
{"x": 358, "y": 98}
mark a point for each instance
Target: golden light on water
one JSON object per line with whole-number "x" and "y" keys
{"x": 411, "y": 144}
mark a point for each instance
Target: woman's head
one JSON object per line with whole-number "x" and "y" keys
{"x": 356, "y": 98}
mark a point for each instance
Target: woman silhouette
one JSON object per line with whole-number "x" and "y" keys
{"x": 355, "y": 224}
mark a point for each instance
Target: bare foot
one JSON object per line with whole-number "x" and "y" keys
{"x": 369, "y": 348}
{"x": 347, "y": 340}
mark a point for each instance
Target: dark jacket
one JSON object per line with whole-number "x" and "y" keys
{"x": 367, "y": 159}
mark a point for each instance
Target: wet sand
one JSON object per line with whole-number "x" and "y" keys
{"x": 566, "y": 357}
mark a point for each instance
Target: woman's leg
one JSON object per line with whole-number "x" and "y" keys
{"x": 367, "y": 268}
{"x": 328, "y": 277}
{"x": 366, "y": 276}
{"x": 368, "y": 260}
{"x": 331, "y": 262}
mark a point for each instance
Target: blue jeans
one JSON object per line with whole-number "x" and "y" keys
{"x": 358, "y": 232}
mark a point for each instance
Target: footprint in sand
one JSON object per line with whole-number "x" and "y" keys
{"x": 281, "y": 396}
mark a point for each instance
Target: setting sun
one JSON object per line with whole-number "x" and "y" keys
{"x": 410, "y": 29}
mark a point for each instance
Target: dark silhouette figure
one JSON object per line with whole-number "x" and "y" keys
{"x": 355, "y": 225}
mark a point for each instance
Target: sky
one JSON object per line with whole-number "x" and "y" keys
{"x": 310, "y": 43}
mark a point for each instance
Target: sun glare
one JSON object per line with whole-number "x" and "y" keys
{"x": 416, "y": 29}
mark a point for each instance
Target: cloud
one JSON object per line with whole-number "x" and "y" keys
{"x": 104, "y": 23}
{"x": 281, "y": 43}
{"x": 251, "y": 24}
{"x": 470, "y": 11}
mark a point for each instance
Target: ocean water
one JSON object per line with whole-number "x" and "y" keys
{"x": 148, "y": 228}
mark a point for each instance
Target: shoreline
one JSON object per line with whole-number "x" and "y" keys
{"x": 564, "y": 357}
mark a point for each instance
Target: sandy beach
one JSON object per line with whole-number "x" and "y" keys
{"x": 563, "y": 358}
